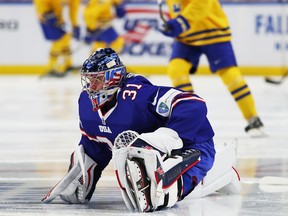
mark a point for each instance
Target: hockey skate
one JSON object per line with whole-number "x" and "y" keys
{"x": 255, "y": 128}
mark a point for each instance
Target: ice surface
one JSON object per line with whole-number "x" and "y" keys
{"x": 39, "y": 130}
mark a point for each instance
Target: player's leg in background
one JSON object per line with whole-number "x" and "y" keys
{"x": 60, "y": 48}
{"x": 178, "y": 71}
{"x": 222, "y": 61}
{"x": 237, "y": 86}
{"x": 60, "y": 59}
{"x": 52, "y": 22}
{"x": 183, "y": 59}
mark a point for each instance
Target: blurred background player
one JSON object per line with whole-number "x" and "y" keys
{"x": 98, "y": 17}
{"x": 201, "y": 27}
{"x": 50, "y": 15}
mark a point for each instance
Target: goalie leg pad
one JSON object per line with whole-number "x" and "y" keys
{"x": 73, "y": 188}
{"x": 223, "y": 177}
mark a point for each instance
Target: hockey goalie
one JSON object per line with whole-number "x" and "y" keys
{"x": 159, "y": 138}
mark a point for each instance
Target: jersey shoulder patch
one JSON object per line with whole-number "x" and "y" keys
{"x": 164, "y": 103}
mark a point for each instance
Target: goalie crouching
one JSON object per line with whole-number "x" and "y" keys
{"x": 158, "y": 137}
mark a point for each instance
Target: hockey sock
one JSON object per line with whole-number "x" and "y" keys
{"x": 60, "y": 54}
{"x": 178, "y": 71}
{"x": 234, "y": 81}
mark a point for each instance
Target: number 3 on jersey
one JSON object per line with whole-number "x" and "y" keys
{"x": 131, "y": 93}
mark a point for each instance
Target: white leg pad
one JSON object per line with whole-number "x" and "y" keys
{"x": 73, "y": 187}
{"x": 222, "y": 177}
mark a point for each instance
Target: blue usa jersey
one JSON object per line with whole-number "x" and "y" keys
{"x": 143, "y": 107}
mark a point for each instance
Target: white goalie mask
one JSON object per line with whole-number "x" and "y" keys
{"x": 102, "y": 75}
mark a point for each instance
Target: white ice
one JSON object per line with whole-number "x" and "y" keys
{"x": 39, "y": 130}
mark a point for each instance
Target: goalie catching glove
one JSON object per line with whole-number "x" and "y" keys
{"x": 149, "y": 168}
{"x": 79, "y": 183}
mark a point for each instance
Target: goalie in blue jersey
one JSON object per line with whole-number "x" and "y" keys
{"x": 158, "y": 137}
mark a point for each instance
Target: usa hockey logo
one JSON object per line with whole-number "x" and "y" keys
{"x": 163, "y": 108}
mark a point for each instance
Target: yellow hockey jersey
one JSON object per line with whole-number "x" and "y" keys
{"x": 99, "y": 13}
{"x": 208, "y": 22}
{"x": 56, "y": 6}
